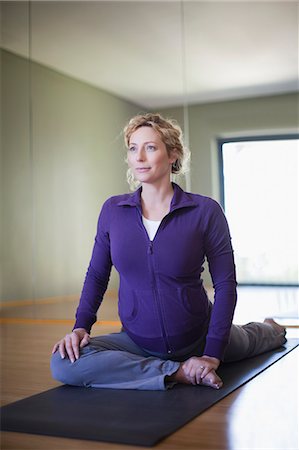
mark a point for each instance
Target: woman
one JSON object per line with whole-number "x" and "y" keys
{"x": 158, "y": 238}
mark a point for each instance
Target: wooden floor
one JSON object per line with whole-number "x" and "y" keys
{"x": 263, "y": 414}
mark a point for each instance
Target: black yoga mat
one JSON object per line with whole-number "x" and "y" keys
{"x": 127, "y": 416}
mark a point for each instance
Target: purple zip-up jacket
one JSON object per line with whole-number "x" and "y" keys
{"x": 163, "y": 305}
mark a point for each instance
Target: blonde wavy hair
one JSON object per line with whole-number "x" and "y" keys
{"x": 171, "y": 135}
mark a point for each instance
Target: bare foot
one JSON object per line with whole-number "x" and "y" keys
{"x": 279, "y": 328}
{"x": 179, "y": 376}
{"x": 212, "y": 380}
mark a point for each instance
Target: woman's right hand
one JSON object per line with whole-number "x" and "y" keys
{"x": 71, "y": 343}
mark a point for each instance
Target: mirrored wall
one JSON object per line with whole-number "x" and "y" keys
{"x": 62, "y": 121}
{"x": 63, "y": 151}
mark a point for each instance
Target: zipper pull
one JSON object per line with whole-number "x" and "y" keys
{"x": 150, "y": 248}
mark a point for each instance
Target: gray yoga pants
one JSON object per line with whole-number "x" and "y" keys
{"x": 114, "y": 361}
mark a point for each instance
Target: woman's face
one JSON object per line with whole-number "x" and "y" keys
{"x": 148, "y": 157}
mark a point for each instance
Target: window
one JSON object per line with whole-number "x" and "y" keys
{"x": 260, "y": 198}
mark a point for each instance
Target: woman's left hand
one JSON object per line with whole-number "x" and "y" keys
{"x": 198, "y": 367}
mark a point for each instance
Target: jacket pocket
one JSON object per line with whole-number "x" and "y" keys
{"x": 195, "y": 300}
{"x": 138, "y": 313}
{"x": 184, "y": 309}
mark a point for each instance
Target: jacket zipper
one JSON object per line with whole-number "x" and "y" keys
{"x": 150, "y": 252}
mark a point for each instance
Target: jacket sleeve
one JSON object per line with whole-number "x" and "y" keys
{"x": 97, "y": 276}
{"x": 220, "y": 258}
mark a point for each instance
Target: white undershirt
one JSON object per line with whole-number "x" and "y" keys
{"x": 151, "y": 227}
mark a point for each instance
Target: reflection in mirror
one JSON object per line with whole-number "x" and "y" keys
{"x": 17, "y": 227}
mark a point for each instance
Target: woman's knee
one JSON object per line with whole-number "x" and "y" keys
{"x": 238, "y": 346}
{"x": 65, "y": 371}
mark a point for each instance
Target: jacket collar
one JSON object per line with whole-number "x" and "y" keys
{"x": 180, "y": 199}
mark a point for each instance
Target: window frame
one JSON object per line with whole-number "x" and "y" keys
{"x": 264, "y": 137}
